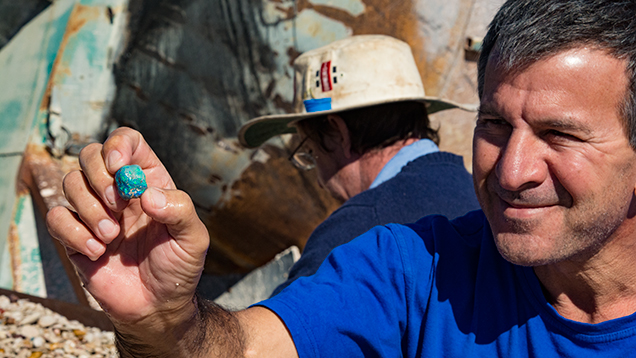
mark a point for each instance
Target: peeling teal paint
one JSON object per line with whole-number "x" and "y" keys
{"x": 57, "y": 29}
{"x": 86, "y": 44}
{"x": 10, "y": 123}
{"x": 26, "y": 63}
{"x": 7, "y": 199}
{"x": 83, "y": 82}
{"x": 19, "y": 206}
{"x": 30, "y": 273}
{"x": 6, "y": 276}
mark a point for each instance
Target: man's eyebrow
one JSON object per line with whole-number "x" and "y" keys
{"x": 565, "y": 124}
{"x": 486, "y": 111}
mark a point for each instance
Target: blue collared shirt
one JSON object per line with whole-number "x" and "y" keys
{"x": 403, "y": 157}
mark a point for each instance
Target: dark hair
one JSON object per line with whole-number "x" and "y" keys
{"x": 526, "y": 31}
{"x": 376, "y": 127}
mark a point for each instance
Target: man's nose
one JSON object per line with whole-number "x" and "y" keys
{"x": 522, "y": 163}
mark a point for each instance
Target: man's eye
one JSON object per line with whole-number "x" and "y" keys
{"x": 498, "y": 122}
{"x": 494, "y": 122}
{"x": 553, "y": 133}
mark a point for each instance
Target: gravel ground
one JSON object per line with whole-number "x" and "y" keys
{"x": 29, "y": 330}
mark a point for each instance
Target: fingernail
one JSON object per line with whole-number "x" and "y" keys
{"x": 106, "y": 227}
{"x": 113, "y": 159}
{"x": 110, "y": 194}
{"x": 94, "y": 247}
{"x": 158, "y": 198}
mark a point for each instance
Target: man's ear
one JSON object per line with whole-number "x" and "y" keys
{"x": 341, "y": 134}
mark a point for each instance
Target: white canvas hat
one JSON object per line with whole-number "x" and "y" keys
{"x": 356, "y": 72}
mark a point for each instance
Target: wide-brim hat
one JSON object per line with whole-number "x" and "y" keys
{"x": 356, "y": 72}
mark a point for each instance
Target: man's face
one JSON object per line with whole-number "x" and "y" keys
{"x": 552, "y": 165}
{"x": 330, "y": 176}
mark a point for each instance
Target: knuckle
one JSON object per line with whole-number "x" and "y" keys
{"x": 57, "y": 222}
{"x": 52, "y": 218}
{"x": 184, "y": 201}
{"x": 71, "y": 179}
{"x": 90, "y": 150}
{"x": 71, "y": 183}
{"x": 125, "y": 131}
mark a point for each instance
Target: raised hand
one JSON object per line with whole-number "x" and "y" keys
{"x": 138, "y": 258}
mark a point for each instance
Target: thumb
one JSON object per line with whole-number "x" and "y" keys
{"x": 175, "y": 209}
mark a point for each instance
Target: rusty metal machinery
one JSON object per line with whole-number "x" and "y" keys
{"x": 196, "y": 70}
{"x": 188, "y": 74}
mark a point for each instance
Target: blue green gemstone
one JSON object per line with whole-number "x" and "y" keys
{"x": 131, "y": 181}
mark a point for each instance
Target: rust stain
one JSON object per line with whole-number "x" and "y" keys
{"x": 80, "y": 15}
{"x": 293, "y": 54}
{"x": 277, "y": 206}
{"x": 43, "y": 176}
{"x": 14, "y": 250}
{"x": 280, "y": 102}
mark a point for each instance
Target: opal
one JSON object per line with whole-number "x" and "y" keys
{"x": 131, "y": 181}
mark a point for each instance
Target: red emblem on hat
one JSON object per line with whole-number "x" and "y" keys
{"x": 325, "y": 76}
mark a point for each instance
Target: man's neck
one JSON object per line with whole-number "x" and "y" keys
{"x": 372, "y": 162}
{"x": 597, "y": 289}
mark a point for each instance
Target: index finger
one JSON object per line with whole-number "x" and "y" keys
{"x": 126, "y": 146}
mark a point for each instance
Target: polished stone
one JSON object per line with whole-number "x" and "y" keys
{"x": 131, "y": 181}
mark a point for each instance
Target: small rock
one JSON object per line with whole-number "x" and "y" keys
{"x": 30, "y": 331}
{"x": 4, "y": 302}
{"x": 42, "y": 333}
{"x": 38, "y": 342}
{"x": 47, "y": 321}
{"x": 30, "y": 319}
{"x": 79, "y": 333}
{"x": 52, "y": 337}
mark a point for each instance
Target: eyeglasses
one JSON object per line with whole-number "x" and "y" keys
{"x": 302, "y": 159}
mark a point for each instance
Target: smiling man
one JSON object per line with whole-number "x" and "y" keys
{"x": 556, "y": 172}
{"x": 545, "y": 270}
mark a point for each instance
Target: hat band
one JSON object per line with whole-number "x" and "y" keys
{"x": 317, "y": 105}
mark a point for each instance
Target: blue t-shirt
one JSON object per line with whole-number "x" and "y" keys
{"x": 437, "y": 288}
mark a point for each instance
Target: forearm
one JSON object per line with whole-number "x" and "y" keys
{"x": 208, "y": 331}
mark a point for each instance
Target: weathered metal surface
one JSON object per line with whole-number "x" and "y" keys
{"x": 260, "y": 283}
{"x": 456, "y": 127}
{"x": 196, "y": 70}
{"x": 60, "y": 70}
{"x": 81, "y": 85}
{"x": 26, "y": 263}
{"x": 188, "y": 81}
{"x": 271, "y": 207}
{"x": 43, "y": 175}
{"x": 24, "y": 69}
{"x": 7, "y": 201}
{"x": 15, "y": 14}
{"x": 193, "y": 72}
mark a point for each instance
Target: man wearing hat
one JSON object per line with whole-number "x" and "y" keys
{"x": 362, "y": 116}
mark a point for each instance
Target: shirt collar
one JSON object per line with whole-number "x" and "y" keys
{"x": 402, "y": 158}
